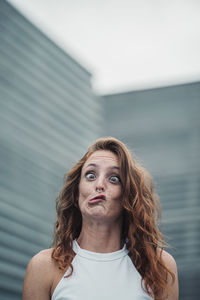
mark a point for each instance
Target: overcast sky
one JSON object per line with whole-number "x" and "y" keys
{"x": 125, "y": 44}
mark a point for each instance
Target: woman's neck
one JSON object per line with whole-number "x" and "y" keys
{"x": 101, "y": 238}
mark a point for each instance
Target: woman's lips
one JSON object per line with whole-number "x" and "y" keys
{"x": 94, "y": 201}
{"x": 97, "y": 199}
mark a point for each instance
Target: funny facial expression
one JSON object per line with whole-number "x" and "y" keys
{"x": 100, "y": 190}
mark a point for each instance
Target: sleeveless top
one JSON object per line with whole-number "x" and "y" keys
{"x": 101, "y": 276}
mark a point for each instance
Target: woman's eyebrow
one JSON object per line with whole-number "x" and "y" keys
{"x": 97, "y": 166}
{"x": 91, "y": 165}
{"x": 114, "y": 168}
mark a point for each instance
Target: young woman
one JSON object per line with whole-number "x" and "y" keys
{"x": 107, "y": 244}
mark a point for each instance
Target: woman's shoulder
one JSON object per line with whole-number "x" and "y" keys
{"x": 40, "y": 273}
{"x": 172, "y": 282}
{"x": 168, "y": 259}
{"x": 42, "y": 256}
{"x": 42, "y": 261}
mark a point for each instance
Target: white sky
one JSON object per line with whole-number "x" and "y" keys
{"x": 125, "y": 44}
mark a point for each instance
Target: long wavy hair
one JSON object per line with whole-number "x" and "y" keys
{"x": 140, "y": 232}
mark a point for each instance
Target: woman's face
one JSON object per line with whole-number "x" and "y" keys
{"x": 100, "y": 190}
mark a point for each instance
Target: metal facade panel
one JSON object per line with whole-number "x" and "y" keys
{"x": 162, "y": 126}
{"x": 48, "y": 117}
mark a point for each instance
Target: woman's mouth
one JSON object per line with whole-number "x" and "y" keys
{"x": 97, "y": 199}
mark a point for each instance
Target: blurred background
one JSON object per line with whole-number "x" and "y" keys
{"x": 73, "y": 71}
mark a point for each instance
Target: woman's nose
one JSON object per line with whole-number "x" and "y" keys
{"x": 100, "y": 184}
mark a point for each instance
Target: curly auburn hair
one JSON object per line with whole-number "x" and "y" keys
{"x": 143, "y": 239}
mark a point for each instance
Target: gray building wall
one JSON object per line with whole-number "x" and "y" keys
{"x": 162, "y": 127}
{"x": 48, "y": 116}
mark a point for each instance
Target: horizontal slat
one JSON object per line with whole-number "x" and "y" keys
{"x": 44, "y": 120}
{"x": 25, "y": 247}
{"x": 49, "y": 115}
{"x": 13, "y": 270}
{"x": 50, "y": 62}
{"x": 12, "y": 256}
{"x": 23, "y": 231}
{"x": 15, "y": 20}
{"x": 9, "y": 212}
{"x": 28, "y": 205}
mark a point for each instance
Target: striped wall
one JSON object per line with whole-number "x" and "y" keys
{"x": 162, "y": 126}
{"x": 48, "y": 116}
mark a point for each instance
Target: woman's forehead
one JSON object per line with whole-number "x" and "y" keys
{"x": 102, "y": 156}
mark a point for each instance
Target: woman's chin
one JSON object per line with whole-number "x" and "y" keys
{"x": 96, "y": 212}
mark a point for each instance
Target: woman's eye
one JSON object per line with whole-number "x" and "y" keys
{"x": 90, "y": 176}
{"x": 115, "y": 179}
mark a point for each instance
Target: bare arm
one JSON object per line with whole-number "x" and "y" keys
{"x": 39, "y": 277}
{"x": 173, "y": 290}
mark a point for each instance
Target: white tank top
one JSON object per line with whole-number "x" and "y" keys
{"x": 101, "y": 276}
